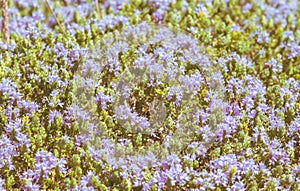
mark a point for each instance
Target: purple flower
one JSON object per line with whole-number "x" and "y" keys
{"x": 162, "y": 5}
{"x": 8, "y": 87}
{"x": 86, "y": 180}
{"x": 38, "y": 15}
{"x": 60, "y": 50}
{"x": 275, "y": 65}
{"x": 296, "y": 171}
{"x": 7, "y": 151}
{"x": 69, "y": 113}
{"x": 231, "y": 121}
{"x": 263, "y": 108}
{"x": 177, "y": 92}
{"x": 246, "y": 62}
{"x": 2, "y": 184}
{"x": 221, "y": 129}
{"x": 110, "y": 22}
{"x": 248, "y": 102}
{"x": 289, "y": 35}
{"x": 66, "y": 138}
{"x": 53, "y": 77}
{"x": 255, "y": 134}
{"x": 276, "y": 181}
{"x": 229, "y": 160}
{"x": 261, "y": 52}
{"x": 14, "y": 125}
{"x": 75, "y": 53}
{"x": 84, "y": 9}
{"x": 44, "y": 162}
{"x": 264, "y": 169}
{"x": 79, "y": 113}
{"x": 295, "y": 126}
{"x": 123, "y": 112}
{"x": 255, "y": 87}
{"x": 67, "y": 14}
{"x": 141, "y": 121}
{"x": 200, "y": 8}
{"x": 279, "y": 11}
{"x": 160, "y": 178}
{"x": 192, "y": 82}
{"x": 276, "y": 122}
{"x": 263, "y": 37}
{"x": 240, "y": 185}
{"x": 75, "y": 1}
{"x": 29, "y": 106}
{"x": 201, "y": 114}
{"x": 235, "y": 85}
{"x": 176, "y": 174}
{"x": 158, "y": 15}
{"x": 247, "y": 7}
{"x": 61, "y": 165}
{"x": 29, "y": 174}
{"x": 26, "y": 26}
{"x": 23, "y": 140}
{"x": 294, "y": 49}
{"x": 277, "y": 153}
{"x": 116, "y": 5}
{"x": 114, "y": 65}
{"x": 103, "y": 99}
{"x": 248, "y": 165}
{"x": 31, "y": 186}
{"x": 53, "y": 115}
{"x": 28, "y": 4}
{"x": 193, "y": 30}
{"x": 235, "y": 109}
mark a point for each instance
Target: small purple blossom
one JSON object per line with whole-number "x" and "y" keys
{"x": 247, "y": 7}
{"x": 193, "y": 82}
{"x": 103, "y": 99}
{"x": 177, "y": 92}
{"x": 200, "y": 8}
{"x": 116, "y": 5}
{"x": 123, "y": 112}
{"x": 8, "y": 87}
{"x": 2, "y": 184}
{"x": 275, "y": 65}
{"x": 23, "y": 140}
{"x": 54, "y": 115}
{"x": 7, "y": 151}
{"x": 201, "y": 115}
{"x": 295, "y": 127}
{"x": 294, "y": 49}
{"x": 29, "y": 106}
{"x": 46, "y": 161}
{"x": 263, "y": 37}
{"x": 28, "y": 4}
{"x": 261, "y": 51}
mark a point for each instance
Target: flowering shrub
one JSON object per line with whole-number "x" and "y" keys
{"x": 150, "y": 95}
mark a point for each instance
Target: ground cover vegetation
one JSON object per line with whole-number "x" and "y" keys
{"x": 150, "y": 95}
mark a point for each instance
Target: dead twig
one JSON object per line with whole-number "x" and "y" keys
{"x": 49, "y": 7}
{"x": 4, "y": 4}
{"x": 98, "y": 9}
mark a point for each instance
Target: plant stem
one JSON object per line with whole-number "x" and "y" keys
{"x": 98, "y": 9}
{"x": 5, "y": 21}
{"x": 49, "y": 7}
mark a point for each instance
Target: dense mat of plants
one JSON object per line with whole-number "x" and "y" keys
{"x": 151, "y": 95}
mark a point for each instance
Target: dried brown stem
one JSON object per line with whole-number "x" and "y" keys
{"x": 5, "y": 33}
{"x": 49, "y": 7}
{"x": 98, "y": 9}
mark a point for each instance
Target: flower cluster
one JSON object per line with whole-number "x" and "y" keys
{"x": 150, "y": 95}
